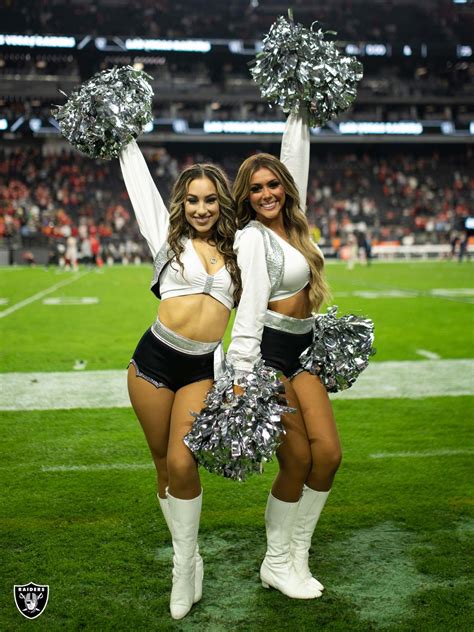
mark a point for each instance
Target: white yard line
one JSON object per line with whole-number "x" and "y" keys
{"x": 65, "y": 390}
{"x": 105, "y": 467}
{"x": 108, "y": 389}
{"x": 429, "y": 355}
{"x": 418, "y": 455}
{"x": 36, "y": 297}
{"x": 96, "y": 467}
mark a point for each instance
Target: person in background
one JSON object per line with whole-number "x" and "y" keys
{"x": 463, "y": 247}
{"x": 71, "y": 253}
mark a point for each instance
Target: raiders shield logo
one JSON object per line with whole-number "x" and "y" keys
{"x": 31, "y": 599}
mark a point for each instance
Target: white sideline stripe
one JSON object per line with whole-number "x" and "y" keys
{"x": 96, "y": 468}
{"x": 146, "y": 466}
{"x": 36, "y": 297}
{"x": 413, "y": 380}
{"x": 108, "y": 389}
{"x": 429, "y": 355}
{"x": 395, "y": 455}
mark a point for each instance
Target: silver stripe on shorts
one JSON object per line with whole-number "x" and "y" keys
{"x": 287, "y": 323}
{"x": 180, "y": 343}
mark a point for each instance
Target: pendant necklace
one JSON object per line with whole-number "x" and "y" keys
{"x": 213, "y": 259}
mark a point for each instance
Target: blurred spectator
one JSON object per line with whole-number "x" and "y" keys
{"x": 418, "y": 196}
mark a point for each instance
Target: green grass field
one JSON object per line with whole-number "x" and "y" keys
{"x": 79, "y": 513}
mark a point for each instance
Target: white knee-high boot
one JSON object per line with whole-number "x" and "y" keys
{"x": 309, "y": 509}
{"x": 277, "y": 568}
{"x": 184, "y": 515}
{"x": 199, "y": 563}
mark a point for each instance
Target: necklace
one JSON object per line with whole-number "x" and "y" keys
{"x": 213, "y": 259}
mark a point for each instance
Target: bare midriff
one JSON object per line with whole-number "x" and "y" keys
{"x": 297, "y": 306}
{"x": 197, "y": 317}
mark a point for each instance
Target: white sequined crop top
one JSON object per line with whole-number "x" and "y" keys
{"x": 153, "y": 221}
{"x": 296, "y": 272}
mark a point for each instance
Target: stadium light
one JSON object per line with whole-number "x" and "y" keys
{"x": 187, "y": 46}
{"x": 236, "y": 46}
{"x": 375, "y": 127}
{"x": 353, "y": 49}
{"x": 464, "y": 51}
{"x": 243, "y": 127}
{"x": 180, "y": 126}
{"x": 38, "y": 41}
{"x": 447, "y": 128}
{"x": 376, "y": 50}
{"x": 35, "y": 124}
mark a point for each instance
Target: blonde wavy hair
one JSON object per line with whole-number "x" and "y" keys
{"x": 294, "y": 219}
{"x": 223, "y": 231}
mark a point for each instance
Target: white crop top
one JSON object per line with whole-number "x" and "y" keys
{"x": 296, "y": 272}
{"x": 195, "y": 280}
{"x": 153, "y": 221}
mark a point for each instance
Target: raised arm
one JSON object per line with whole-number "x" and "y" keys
{"x": 150, "y": 210}
{"x": 295, "y": 146}
{"x": 244, "y": 348}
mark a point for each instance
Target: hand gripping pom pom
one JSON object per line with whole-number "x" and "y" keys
{"x": 340, "y": 349}
{"x": 233, "y": 434}
{"x": 298, "y": 69}
{"x": 106, "y": 112}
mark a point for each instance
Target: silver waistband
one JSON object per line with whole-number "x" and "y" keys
{"x": 180, "y": 343}
{"x": 287, "y": 323}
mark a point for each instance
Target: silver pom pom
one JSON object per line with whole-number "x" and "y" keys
{"x": 234, "y": 434}
{"x": 340, "y": 350}
{"x": 298, "y": 68}
{"x": 106, "y": 112}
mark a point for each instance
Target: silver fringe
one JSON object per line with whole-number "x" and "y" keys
{"x": 234, "y": 434}
{"x": 298, "y": 69}
{"x": 106, "y": 112}
{"x": 340, "y": 350}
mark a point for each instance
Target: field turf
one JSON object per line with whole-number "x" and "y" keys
{"x": 394, "y": 544}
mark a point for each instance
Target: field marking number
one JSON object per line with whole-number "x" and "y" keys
{"x": 71, "y": 300}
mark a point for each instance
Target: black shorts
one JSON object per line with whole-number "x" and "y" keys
{"x": 166, "y": 367}
{"x": 281, "y": 350}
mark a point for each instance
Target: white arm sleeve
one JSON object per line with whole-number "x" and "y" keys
{"x": 294, "y": 154}
{"x": 244, "y": 348}
{"x": 150, "y": 210}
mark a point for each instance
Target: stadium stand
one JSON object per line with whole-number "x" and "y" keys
{"x": 438, "y": 21}
{"x": 410, "y": 194}
{"x": 394, "y": 196}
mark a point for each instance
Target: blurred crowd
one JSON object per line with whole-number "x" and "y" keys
{"x": 397, "y": 196}
{"x": 72, "y": 204}
{"x": 78, "y": 208}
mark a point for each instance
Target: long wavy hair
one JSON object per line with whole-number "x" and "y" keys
{"x": 223, "y": 231}
{"x": 294, "y": 219}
